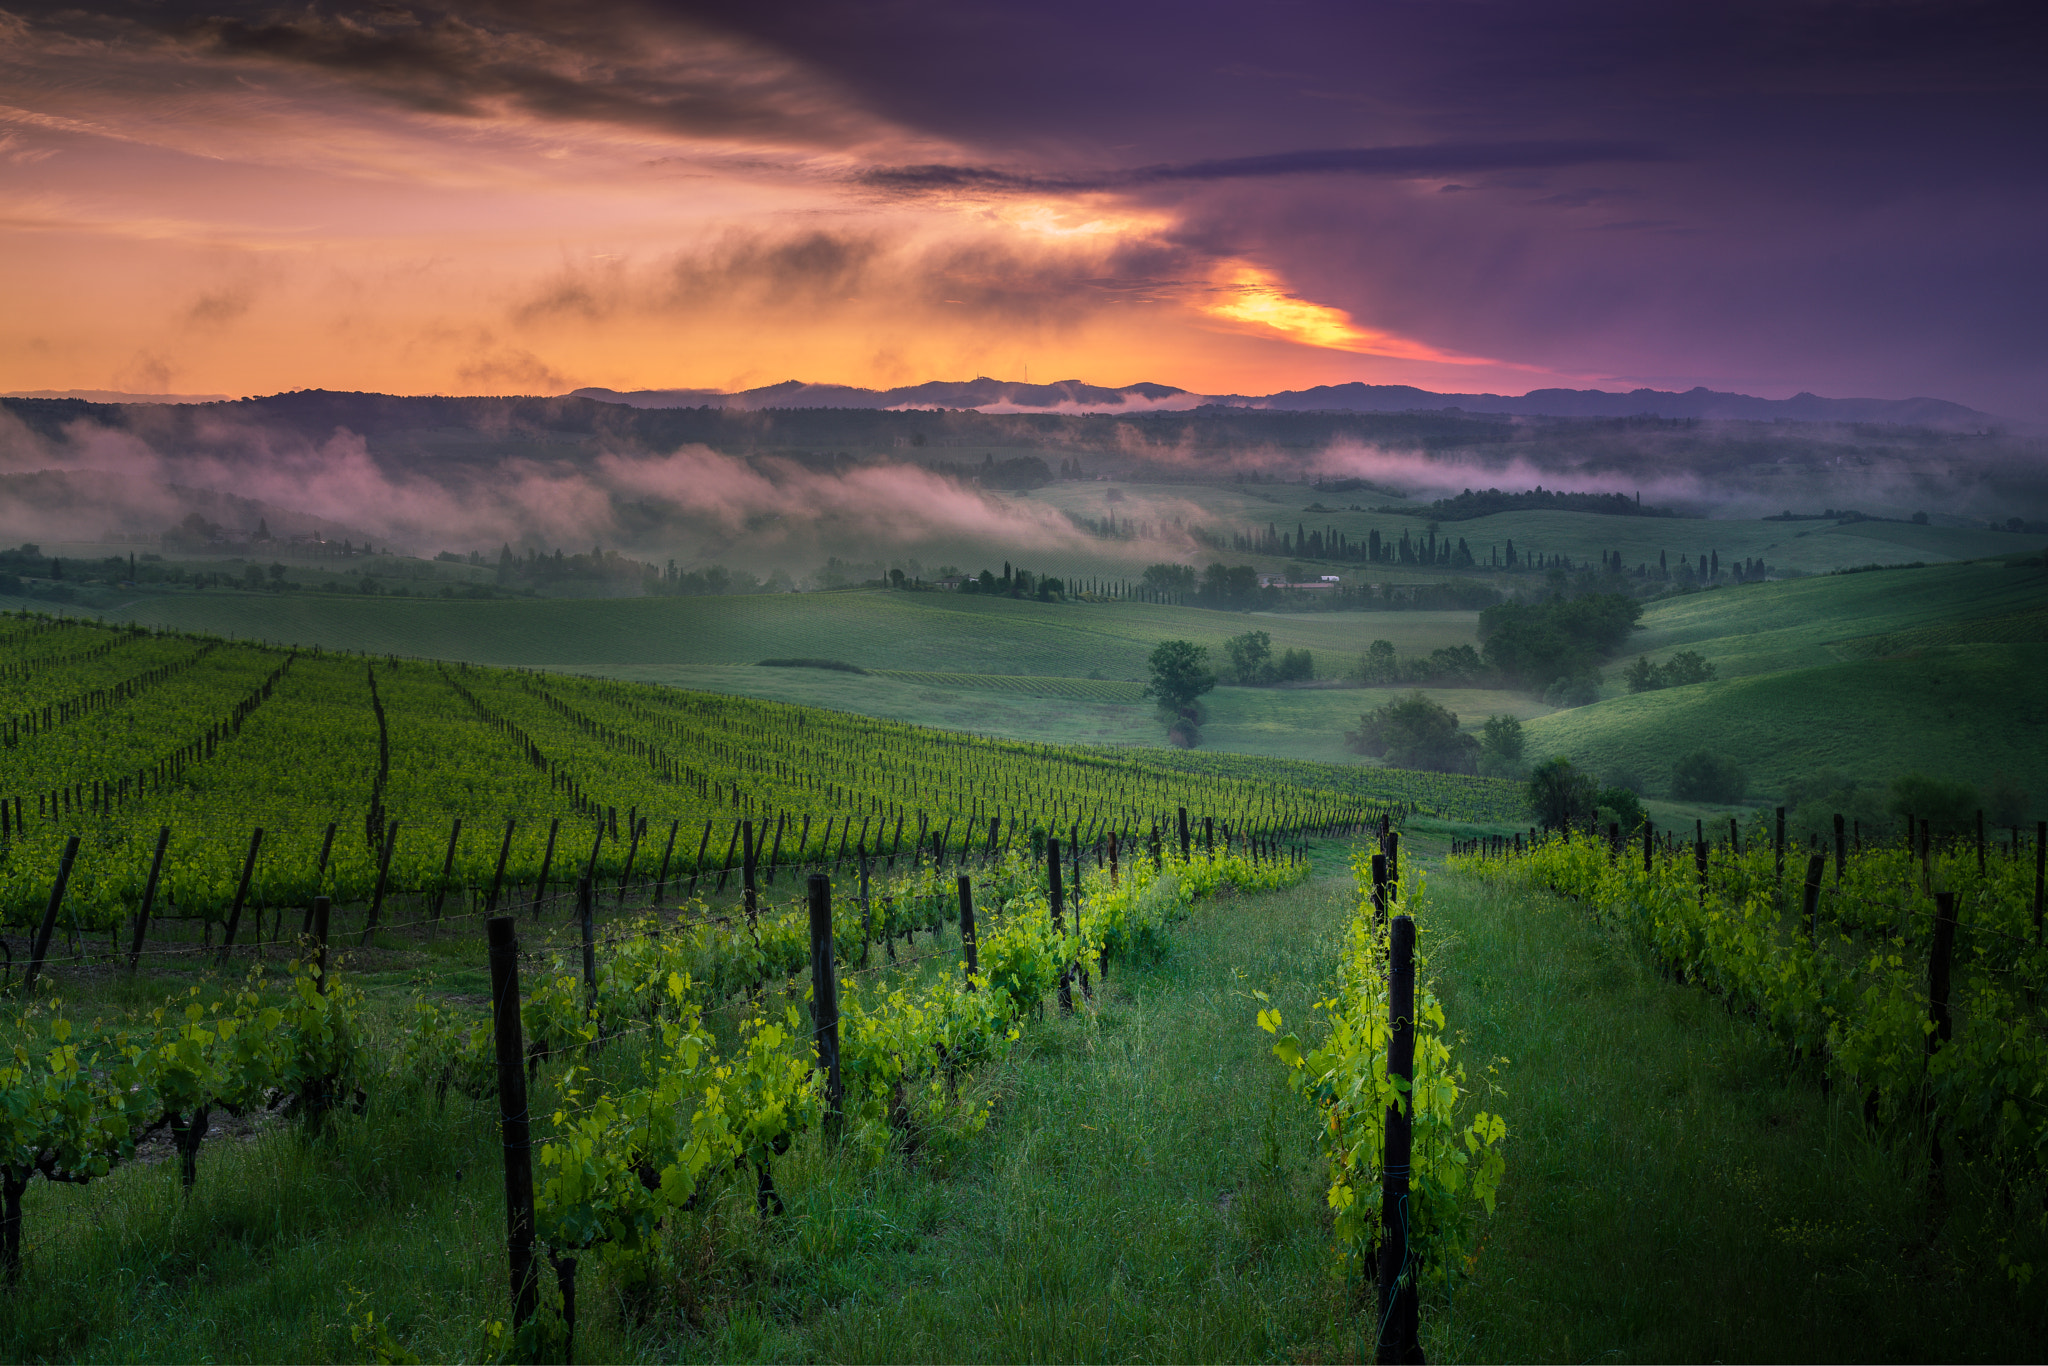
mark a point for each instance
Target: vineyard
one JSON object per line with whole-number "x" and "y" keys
{"x": 284, "y": 775}
{"x": 647, "y": 1067}
{"x": 1910, "y": 973}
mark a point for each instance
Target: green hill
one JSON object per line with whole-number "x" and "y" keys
{"x": 922, "y": 632}
{"x": 1937, "y": 670}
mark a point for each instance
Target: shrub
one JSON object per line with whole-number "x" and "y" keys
{"x": 1415, "y": 732}
{"x": 1703, "y": 776}
{"x": 1951, "y": 808}
{"x": 1575, "y": 690}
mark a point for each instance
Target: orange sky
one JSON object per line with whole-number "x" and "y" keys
{"x": 178, "y": 220}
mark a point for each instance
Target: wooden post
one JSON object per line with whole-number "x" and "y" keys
{"x": 967, "y": 938}
{"x": 1186, "y": 851}
{"x": 1649, "y": 843}
{"x": 995, "y": 827}
{"x": 1059, "y": 926}
{"x": 725, "y": 868}
{"x": 1816, "y": 868}
{"x": 321, "y": 910}
{"x": 156, "y": 867}
{"x": 2040, "y": 872}
{"x": 661, "y": 878}
{"x": 241, "y": 893}
{"x": 383, "y": 876}
{"x": 635, "y": 826}
{"x": 447, "y": 866}
{"x": 513, "y": 1121}
{"x": 586, "y": 920}
{"x": 775, "y": 849}
{"x": 498, "y": 875}
{"x": 697, "y": 868}
{"x": 547, "y": 859}
{"x": 747, "y": 854}
{"x": 1780, "y": 844}
{"x": 41, "y": 949}
{"x": 1699, "y": 863}
{"x": 319, "y": 874}
{"x": 1938, "y": 964}
{"x": 1393, "y": 866}
{"x": 1209, "y": 836}
{"x": 825, "y": 995}
{"x": 1398, "y": 1305}
{"x": 1112, "y": 858}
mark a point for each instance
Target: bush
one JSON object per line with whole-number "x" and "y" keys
{"x": 1415, "y": 732}
{"x": 1703, "y": 776}
{"x": 1951, "y": 808}
{"x": 1576, "y": 690}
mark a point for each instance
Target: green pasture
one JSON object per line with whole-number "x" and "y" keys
{"x": 1802, "y": 623}
{"x": 921, "y": 632}
{"x": 1961, "y": 712}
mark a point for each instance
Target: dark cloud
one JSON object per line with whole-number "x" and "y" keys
{"x": 1412, "y": 162}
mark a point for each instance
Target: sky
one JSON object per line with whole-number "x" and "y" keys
{"x": 526, "y": 196}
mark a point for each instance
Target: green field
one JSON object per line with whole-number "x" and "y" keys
{"x": 921, "y": 632}
{"x": 1936, "y": 670}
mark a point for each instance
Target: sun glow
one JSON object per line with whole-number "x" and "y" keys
{"x": 1253, "y": 296}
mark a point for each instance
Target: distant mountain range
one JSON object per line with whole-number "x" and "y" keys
{"x": 1074, "y": 396}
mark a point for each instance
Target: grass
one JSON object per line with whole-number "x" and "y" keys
{"x": 922, "y": 632}
{"x": 1676, "y": 1190}
{"x": 1960, "y": 712}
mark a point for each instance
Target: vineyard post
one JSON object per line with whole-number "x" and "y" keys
{"x": 1379, "y": 891}
{"x": 1398, "y": 1307}
{"x": 945, "y": 840}
{"x": 1649, "y": 843}
{"x": 1112, "y": 866}
{"x": 2040, "y": 872}
{"x": 1209, "y": 836}
{"x": 1058, "y": 902}
{"x": 547, "y": 859}
{"x": 319, "y": 874}
{"x": 590, "y": 866}
{"x": 995, "y": 826}
{"x": 867, "y": 915}
{"x": 747, "y": 853}
{"x": 1699, "y": 863}
{"x": 383, "y": 876}
{"x": 697, "y": 868}
{"x": 825, "y": 996}
{"x": 43, "y": 931}
{"x": 241, "y": 893}
{"x": 1185, "y": 848}
{"x": 775, "y": 849}
{"x": 447, "y": 867}
{"x": 498, "y": 875}
{"x": 156, "y": 867}
{"x": 967, "y": 939}
{"x": 725, "y": 868}
{"x": 1937, "y": 1013}
{"x": 513, "y": 1121}
{"x": 321, "y": 909}
{"x": 634, "y": 825}
{"x": 1816, "y": 868}
{"x": 1780, "y": 846}
{"x": 1841, "y": 848}
{"x": 1394, "y": 864}
{"x": 586, "y": 922}
{"x": 661, "y": 878}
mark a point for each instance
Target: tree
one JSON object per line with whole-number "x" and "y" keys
{"x": 1165, "y": 578}
{"x": 1251, "y": 657}
{"x": 1562, "y": 797}
{"x": 1951, "y": 808}
{"x": 1703, "y": 776}
{"x": 1414, "y": 732}
{"x": 1379, "y": 664}
{"x": 1501, "y": 738}
{"x": 1620, "y": 806}
{"x": 1296, "y": 666}
{"x": 1180, "y": 674}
